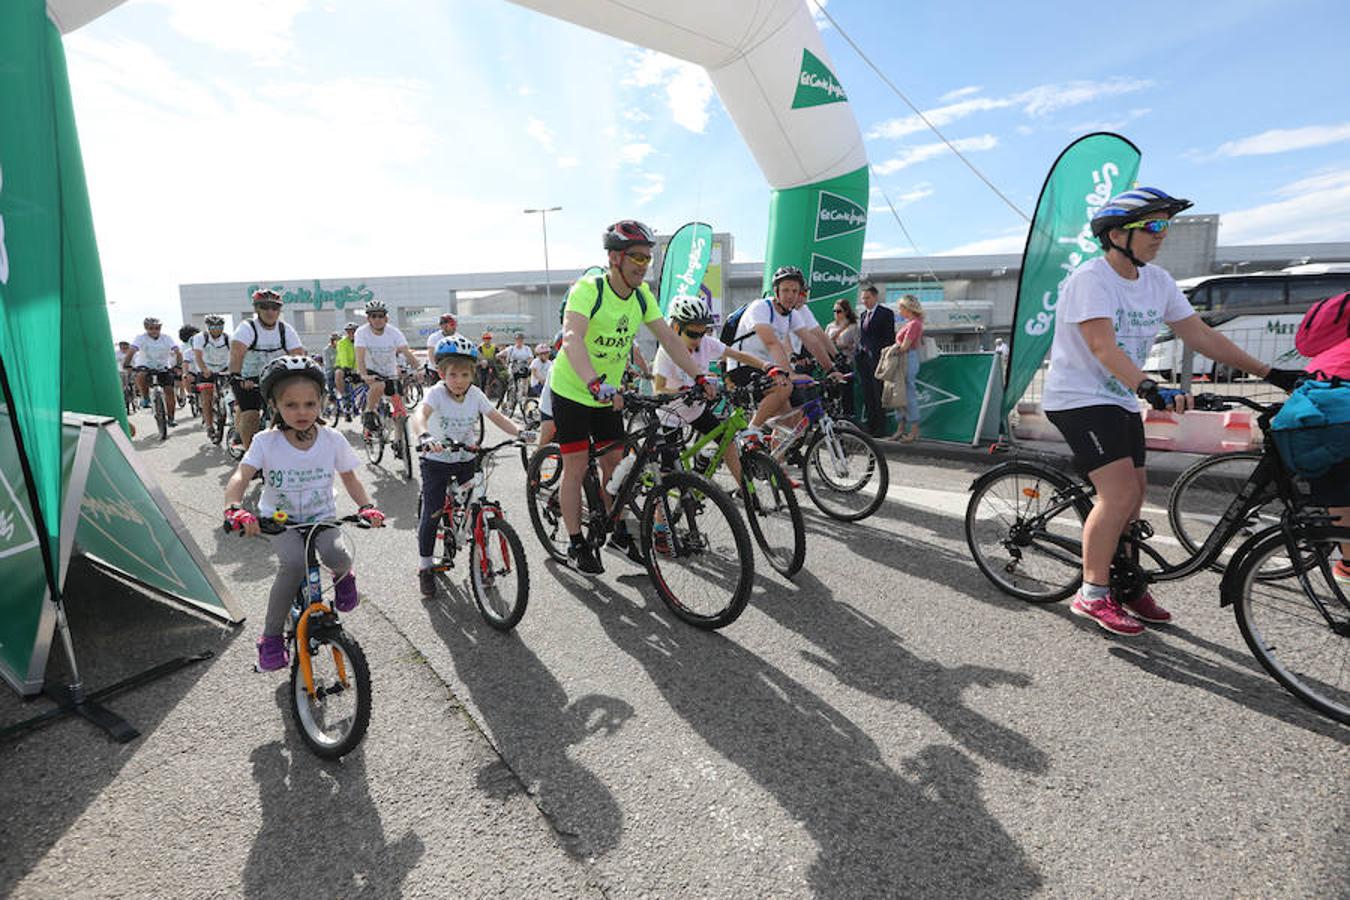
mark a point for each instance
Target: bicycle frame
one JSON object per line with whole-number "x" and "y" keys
{"x": 469, "y": 502}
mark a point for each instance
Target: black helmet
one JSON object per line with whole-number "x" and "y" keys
{"x": 284, "y": 367}
{"x": 789, "y": 273}
{"x": 187, "y": 332}
{"x": 627, "y": 233}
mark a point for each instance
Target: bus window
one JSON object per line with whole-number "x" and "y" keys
{"x": 1248, "y": 294}
{"x": 1200, "y": 298}
{"x": 1311, "y": 290}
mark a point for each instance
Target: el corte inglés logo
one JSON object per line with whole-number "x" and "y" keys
{"x": 340, "y": 298}
{"x": 837, "y": 215}
{"x": 830, "y": 277}
{"x": 816, "y": 84}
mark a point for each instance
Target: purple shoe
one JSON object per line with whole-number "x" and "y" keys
{"x": 272, "y": 653}
{"x": 344, "y": 593}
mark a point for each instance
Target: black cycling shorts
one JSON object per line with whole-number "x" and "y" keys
{"x": 162, "y": 377}
{"x": 1099, "y": 435}
{"x": 670, "y": 451}
{"x": 578, "y": 424}
{"x": 248, "y": 399}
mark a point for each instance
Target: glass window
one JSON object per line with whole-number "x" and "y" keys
{"x": 1247, "y": 294}
{"x": 1307, "y": 290}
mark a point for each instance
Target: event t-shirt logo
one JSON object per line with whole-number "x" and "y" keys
{"x": 816, "y": 84}
{"x": 837, "y": 215}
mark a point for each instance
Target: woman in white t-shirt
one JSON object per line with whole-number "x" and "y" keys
{"x": 540, "y": 366}
{"x": 692, "y": 320}
{"x": 298, "y": 459}
{"x": 1109, "y": 311}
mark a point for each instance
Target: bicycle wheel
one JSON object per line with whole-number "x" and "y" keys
{"x": 1298, "y": 627}
{"x": 405, "y": 448}
{"x": 499, "y": 574}
{"x": 1204, "y": 492}
{"x": 375, "y": 441}
{"x": 217, "y": 418}
{"x": 412, "y": 393}
{"x": 542, "y": 479}
{"x": 1025, "y": 531}
{"x": 161, "y": 417}
{"x": 529, "y": 413}
{"x": 705, "y": 566}
{"x": 772, "y": 511}
{"x": 333, "y": 721}
{"x": 845, "y": 475}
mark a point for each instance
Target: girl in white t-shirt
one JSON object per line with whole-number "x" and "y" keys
{"x": 298, "y": 460}
{"x": 540, "y": 366}
{"x": 449, "y": 414}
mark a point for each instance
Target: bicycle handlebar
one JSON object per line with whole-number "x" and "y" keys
{"x": 1222, "y": 402}
{"x": 271, "y": 526}
{"x": 474, "y": 448}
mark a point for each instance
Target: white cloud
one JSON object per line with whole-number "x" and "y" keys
{"x": 568, "y": 162}
{"x": 653, "y": 186}
{"x": 1036, "y": 102}
{"x": 541, "y": 133}
{"x": 1316, "y": 208}
{"x": 910, "y": 156}
{"x": 258, "y": 28}
{"x": 1281, "y": 140}
{"x": 689, "y": 90}
{"x": 634, "y": 154}
{"x": 816, "y": 7}
{"x": 913, "y": 195}
{"x": 1010, "y": 242}
{"x": 959, "y": 93}
{"x": 1116, "y": 124}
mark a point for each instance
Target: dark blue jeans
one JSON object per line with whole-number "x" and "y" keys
{"x": 436, "y": 477}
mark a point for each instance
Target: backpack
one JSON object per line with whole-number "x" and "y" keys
{"x": 1324, "y": 326}
{"x": 253, "y": 344}
{"x": 600, "y": 297}
{"x": 1312, "y": 429}
{"x": 733, "y": 321}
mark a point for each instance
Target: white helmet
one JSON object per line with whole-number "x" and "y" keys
{"x": 690, "y": 311}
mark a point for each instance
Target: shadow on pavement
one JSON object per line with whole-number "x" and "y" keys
{"x": 525, "y": 710}
{"x": 928, "y": 835}
{"x": 52, "y": 774}
{"x": 321, "y": 833}
{"x": 863, "y": 654}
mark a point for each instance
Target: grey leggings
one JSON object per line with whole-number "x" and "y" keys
{"x": 291, "y": 570}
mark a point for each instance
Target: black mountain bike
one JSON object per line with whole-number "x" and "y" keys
{"x": 693, "y": 541}
{"x": 1024, "y": 529}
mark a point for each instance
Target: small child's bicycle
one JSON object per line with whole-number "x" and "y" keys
{"x": 498, "y": 573}
{"x": 330, "y": 678}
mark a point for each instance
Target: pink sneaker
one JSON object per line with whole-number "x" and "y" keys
{"x": 344, "y": 593}
{"x": 1147, "y": 608}
{"x": 1106, "y": 613}
{"x": 272, "y": 653}
{"x": 1341, "y": 572}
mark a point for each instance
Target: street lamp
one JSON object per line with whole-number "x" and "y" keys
{"x": 548, "y": 277}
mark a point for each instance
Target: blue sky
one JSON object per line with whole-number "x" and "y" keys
{"x": 299, "y": 138}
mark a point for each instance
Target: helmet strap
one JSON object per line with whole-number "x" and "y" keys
{"x": 1129, "y": 242}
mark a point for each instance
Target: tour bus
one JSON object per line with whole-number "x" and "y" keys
{"x": 1258, "y": 311}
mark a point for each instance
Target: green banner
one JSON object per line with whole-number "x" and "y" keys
{"x": 685, "y": 262}
{"x": 1089, "y": 172}
{"x": 820, "y": 229}
{"x": 958, "y": 393}
{"x": 21, "y": 570}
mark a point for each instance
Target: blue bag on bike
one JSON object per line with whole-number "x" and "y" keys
{"x": 1312, "y": 429}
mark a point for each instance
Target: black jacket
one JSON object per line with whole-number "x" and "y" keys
{"x": 876, "y": 332}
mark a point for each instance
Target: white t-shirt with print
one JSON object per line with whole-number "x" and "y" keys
{"x": 454, "y": 420}
{"x": 518, "y": 357}
{"x": 381, "y": 349}
{"x": 708, "y": 350}
{"x": 763, "y": 312}
{"x": 215, "y": 353}
{"x": 1137, "y": 310}
{"x": 154, "y": 353}
{"x": 271, "y": 343}
{"x": 539, "y": 369}
{"x": 432, "y": 340}
{"x": 300, "y": 481}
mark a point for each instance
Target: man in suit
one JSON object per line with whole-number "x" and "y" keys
{"x": 876, "y": 329}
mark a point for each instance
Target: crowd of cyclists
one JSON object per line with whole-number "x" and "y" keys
{"x": 1110, "y": 311}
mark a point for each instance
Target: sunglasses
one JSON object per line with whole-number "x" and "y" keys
{"x": 377, "y": 315}
{"x": 642, "y": 259}
{"x": 1152, "y": 226}
{"x": 694, "y": 335}
{"x": 264, "y": 305}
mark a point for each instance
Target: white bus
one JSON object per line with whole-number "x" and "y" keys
{"x": 1259, "y": 312}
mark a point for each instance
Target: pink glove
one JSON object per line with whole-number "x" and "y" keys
{"x": 236, "y": 519}
{"x": 371, "y": 516}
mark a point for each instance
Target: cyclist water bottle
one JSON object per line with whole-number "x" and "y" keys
{"x": 620, "y": 473}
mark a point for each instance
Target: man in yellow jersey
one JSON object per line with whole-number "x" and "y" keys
{"x": 600, "y": 321}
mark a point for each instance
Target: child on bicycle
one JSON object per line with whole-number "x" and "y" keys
{"x": 298, "y": 459}
{"x": 1110, "y": 310}
{"x": 449, "y": 413}
{"x": 1324, "y": 337}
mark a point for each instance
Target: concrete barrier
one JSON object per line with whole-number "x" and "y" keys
{"x": 1194, "y": 432}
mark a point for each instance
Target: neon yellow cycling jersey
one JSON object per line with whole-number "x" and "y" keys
{"x": 614, "y": 324}
{"x": 346, "y": 354}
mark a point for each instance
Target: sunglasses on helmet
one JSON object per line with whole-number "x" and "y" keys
{"x": 1152, "y": 226}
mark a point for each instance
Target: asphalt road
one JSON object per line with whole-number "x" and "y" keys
{"x": 884, "y": 724}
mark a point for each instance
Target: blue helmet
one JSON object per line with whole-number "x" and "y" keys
{"x": 455, "y": 345}
{"x": 1133, "y": 205}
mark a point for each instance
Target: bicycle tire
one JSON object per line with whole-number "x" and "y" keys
{"x": 309, "y": 713}
{"x": 405, "y": 449}
{"x": 1204, "y": 491}
{"x": 218, "y": 419}
{"x": 689, "y": 540}
{"x": 161, "y": 417}
{"x": 1010, "y": 497}
{"x": 374, "y": 442}
{"x": 767, "y": 491}
{"x": 827, "y": 487}
{"x": 542, "y": 478}
{"x": 1277, "y": 616}
{"x": 498, "y": 612}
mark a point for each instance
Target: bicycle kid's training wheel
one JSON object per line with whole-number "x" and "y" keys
{"x": 845, "y": 474}
{"x": 333, "y": 721}
{"x": 499, "y": 574}
{"x": 1298, "y": 627}
{"x": 1023, "y": 532}
{"x": 542, "y": 477}
{"x": 773, "y": 513}
{"x": 702, "y": 562}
